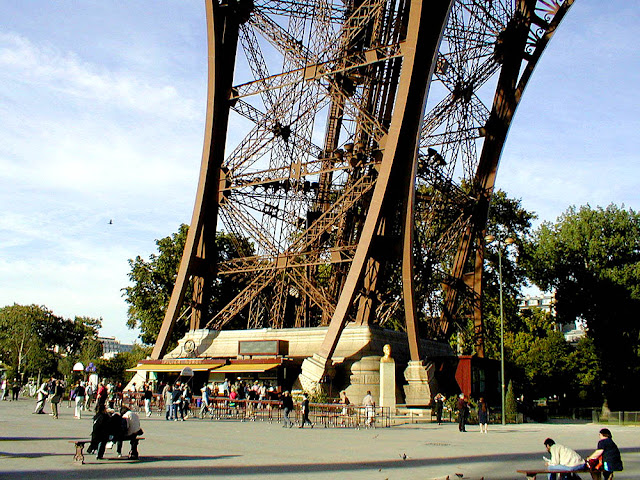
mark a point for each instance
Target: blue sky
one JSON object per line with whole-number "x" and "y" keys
{"x": 102, "y": 114}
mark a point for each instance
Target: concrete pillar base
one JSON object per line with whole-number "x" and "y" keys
{"x": 314, "y": 371}
{"x": 421, "y": 383}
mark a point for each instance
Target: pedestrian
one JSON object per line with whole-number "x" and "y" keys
{"x": 287, "y": 405}
{"x": 344, "y": 400}
{"x": 369, "y": 408}
{"x": 58, "y": 392}
{"x": 167, "y": 397}
{"x": 147, "y": 395}
{"x": 186, "y": 401}
{"x": 80, "y": 394}
{"x": 101, "y": 394}
{"x": 41, "y": 398}
{"x": 15, "y": 390}
{"x": 88, "y": 391}
{"x": 463, "y": 410}
{"x": 305, "y": 411}
{"x": 176, "y": 402}
{"x": 562, "y": 458}
{"x": 439, "y": 400}
{"x": 3, "y": 387}
{"x": 483, "y": 415}
{"x": 609, "y": 454}
{"x": 206, "y": 395}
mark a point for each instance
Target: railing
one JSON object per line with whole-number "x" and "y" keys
{"x": 328, "y": 415}
{"x": 620, "y": 418}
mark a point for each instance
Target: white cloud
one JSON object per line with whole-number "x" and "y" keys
{"x": 64, "y": 73}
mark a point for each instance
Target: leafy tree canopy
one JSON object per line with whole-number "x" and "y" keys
{"x": 33, "y": 339}
{"x": 153, "y": 280}
{"x": 591, "y": 257}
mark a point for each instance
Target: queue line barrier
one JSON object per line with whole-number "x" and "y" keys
{"x": 328, "y": 415}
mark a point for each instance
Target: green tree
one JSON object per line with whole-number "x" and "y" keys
{"x": 34, "y": 341}
{"x": 153, "y": 281}
{"x": 538, "y": 354}
{"x": 591, "y": 257}
{"x": 510, "y": 404}
{"x": 24, "y": 341}
{"x": 115, "y": 368}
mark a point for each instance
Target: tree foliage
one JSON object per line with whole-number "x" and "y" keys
{"x": 33, "y": 340}
{"x": 591, "y": 257}
{"x": 115, "y": 368}
{"x": 152, "y": 282}
{"x": 538, "y": 354}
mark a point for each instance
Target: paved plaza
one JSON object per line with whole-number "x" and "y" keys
{"x": 37, "y": 446}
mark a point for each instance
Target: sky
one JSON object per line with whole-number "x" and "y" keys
{"x": 102, "y": 109}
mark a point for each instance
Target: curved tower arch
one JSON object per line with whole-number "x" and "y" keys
{"x": 341, "y": 159}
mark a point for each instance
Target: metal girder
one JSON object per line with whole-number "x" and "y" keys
{"x": 349, "y": 174}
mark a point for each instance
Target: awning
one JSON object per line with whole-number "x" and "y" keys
{"x": 162, "y": 367}
{"x": 247, "y": 367}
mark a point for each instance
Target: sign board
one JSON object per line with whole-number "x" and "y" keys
{"x": 272, "y": 348}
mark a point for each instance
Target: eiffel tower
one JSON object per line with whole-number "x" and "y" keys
{"x": 354, "y": 144}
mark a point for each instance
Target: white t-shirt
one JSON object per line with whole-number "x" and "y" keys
{"x": 133, "y": 422}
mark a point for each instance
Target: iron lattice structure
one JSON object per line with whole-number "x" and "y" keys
{"x": 363, "y": 142}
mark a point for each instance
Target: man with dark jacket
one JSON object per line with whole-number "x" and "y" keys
{"x": 287, "y": 405}
{"x": 100, "y": 432}
{"x": 305, "y": 411}
{"x": 463, "y": 410}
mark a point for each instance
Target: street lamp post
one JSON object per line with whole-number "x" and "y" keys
{"x": 502, "y": 243}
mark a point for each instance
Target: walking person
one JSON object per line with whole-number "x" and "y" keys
{"x": 80, "y": 394}
{"x": 176, "y": 402}
{"x": 483, "y": 415}
{"x": 439, "y": 400}
{"x": 305, "y": 411}
{"x": 608, "y": 452}
{"x": 287, "y": 405}
{"x": 206, "y": 394}
{"x": 15, "y": 390}
{"x": 463, "y": 410}
{"x": 344, "y": 414}
{"x": 369, "y": 408}
{"x": 58, "y": 392}
{"x": 88, "y": 391}
{"x": 41, "y": 398}
{"x": 167, "y": 397}
{"x": 147, "y": 395}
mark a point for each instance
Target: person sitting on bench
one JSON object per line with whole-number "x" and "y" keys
{"x": 562, "y": 459}
{"x": 131, "y": 424}
{"x": 100, "y": 432}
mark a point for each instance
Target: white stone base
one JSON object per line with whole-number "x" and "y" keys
{"x": 421, "y": 383}
{"x": 388, "y": 385}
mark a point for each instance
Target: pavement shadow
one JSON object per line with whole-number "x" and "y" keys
{"x": 31, "y": 454}
{"x": 144, "y": 468}
{"x": 27, "y": 439}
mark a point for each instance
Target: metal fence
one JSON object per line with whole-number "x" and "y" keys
{"x": 328, "y": 415}
{"x": 621, "y": 418}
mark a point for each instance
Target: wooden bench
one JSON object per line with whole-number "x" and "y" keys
{"x": 79, "y": 455}
{"x": 531, "y": 474}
